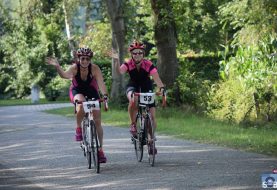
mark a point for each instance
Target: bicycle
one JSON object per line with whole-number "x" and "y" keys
{"x": 90, "y": 143}
{"x": 145, "y": 127}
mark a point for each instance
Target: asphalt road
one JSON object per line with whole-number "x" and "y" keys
{"x": 38, "y": 152}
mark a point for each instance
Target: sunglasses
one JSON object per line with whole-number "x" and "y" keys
{"x": 85, "y": 58}
{"x": 137, "y": 53}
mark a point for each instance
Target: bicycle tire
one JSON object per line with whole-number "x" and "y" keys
{"x": 88, "y": 140}
{"x": 95, "y": 147}
{"x": 151, "y": 142}
{"x": 84, "y": 141}
{"x": 138, "y": 140}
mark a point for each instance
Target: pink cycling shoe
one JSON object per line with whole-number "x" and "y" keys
{"x": 133, "y": 129}
{"x": 102, "y": 157}
{"x": 78, "y": 135}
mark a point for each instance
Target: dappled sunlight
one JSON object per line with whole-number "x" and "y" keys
{"x": 13, "y": 146}
{"x": 21, "y": 168}
{"x": 121, "y": 140}
{"x": 187, "y": 151}
{"x": 45, "y": 155}
{"x": 133, "y": 183}
{"x": 231, "y": 187}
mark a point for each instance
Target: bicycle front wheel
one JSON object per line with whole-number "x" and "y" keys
{"x": 95, "y": 147}
{"x": 88, "y": 140}
{"x": 138, "y": 140}
{"x": 151, "y": 141}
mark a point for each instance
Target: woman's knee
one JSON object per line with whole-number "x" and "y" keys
{"x": 80, "y": 109}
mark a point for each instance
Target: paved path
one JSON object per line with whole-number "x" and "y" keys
{"x": 37, "y": 152}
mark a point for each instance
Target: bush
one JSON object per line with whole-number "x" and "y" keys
{"x": 58, "y": 88}
{"x": 248, "y": 90}
{"x": 231, "y": 101}
{"x": 106, "y": 68}
{"x": 195, "y": 79}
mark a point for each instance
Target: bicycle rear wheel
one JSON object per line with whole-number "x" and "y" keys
{"x": 138, "y": 140}
{"x": 95, "y": 147}
{"x": 151, "y": 141}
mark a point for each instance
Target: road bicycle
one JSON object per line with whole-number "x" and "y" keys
{"x": 145, "y": 127}
{"x": 90, "y": 143}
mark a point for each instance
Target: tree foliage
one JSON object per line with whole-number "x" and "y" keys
{"x": 248, "y": 21}
{"x": 241, "y": 32}
{"x": 31, "y": 33}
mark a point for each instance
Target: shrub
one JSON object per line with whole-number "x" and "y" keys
{"x": 232, "y": 101}
{"x": 249, "y": 84}
{"x": 58, "y": 88}
{"x": 195, "y": 79}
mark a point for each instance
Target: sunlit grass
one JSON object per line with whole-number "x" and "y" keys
{"x": 185, "y": 125}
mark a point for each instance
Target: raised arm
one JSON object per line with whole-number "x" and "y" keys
{"x": 115, "y": 56}
{"x": 63, "y": 74}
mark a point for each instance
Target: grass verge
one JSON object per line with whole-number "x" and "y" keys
{"x": 184, "y": 125}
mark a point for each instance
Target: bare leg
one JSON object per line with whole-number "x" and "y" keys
{"x": 97, "y": 120}
{"x": 153, "y": 117}
{"x": 132, "y": 108}
{"x": 80, "y": 112}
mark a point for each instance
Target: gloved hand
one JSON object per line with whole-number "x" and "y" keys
{"x": 105, "y": 97}
{"x": 163, "y": 90}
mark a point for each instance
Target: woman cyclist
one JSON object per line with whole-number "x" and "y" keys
{"x": 86, "y": 79}
{"x": 140, "y": 71}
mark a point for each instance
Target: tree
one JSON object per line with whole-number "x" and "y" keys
{"x": 198, "y": 25}
{"x": 248, "y": 21}
{"x": 166, "y": 41}
{"x": 115, "y": 11}
{"x": 32, "y": 31}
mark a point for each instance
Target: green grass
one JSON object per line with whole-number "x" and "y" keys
{"x": 15, "y": 102}
{"x": 184, "y": 125}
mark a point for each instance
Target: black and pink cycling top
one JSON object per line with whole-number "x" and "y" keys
{"x": 142, "y": 76}
{"x": 89, "y": 82}
{"x": 86, "y": 87}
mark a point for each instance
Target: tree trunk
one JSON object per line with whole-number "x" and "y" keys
{"x": 115, "y": 11}
{"x": 68, "y": 27}
{"x": 166, "y": 41}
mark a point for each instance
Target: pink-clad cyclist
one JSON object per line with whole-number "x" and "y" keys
{"x": 87, "y": 80}
{"x": 140, "y": 71}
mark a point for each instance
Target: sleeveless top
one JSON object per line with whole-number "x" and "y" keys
{"x": 90, "y": 81}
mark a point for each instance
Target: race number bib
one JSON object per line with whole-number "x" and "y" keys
{"x": 91, "y": 105}
{"x": 147, "y": 98}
